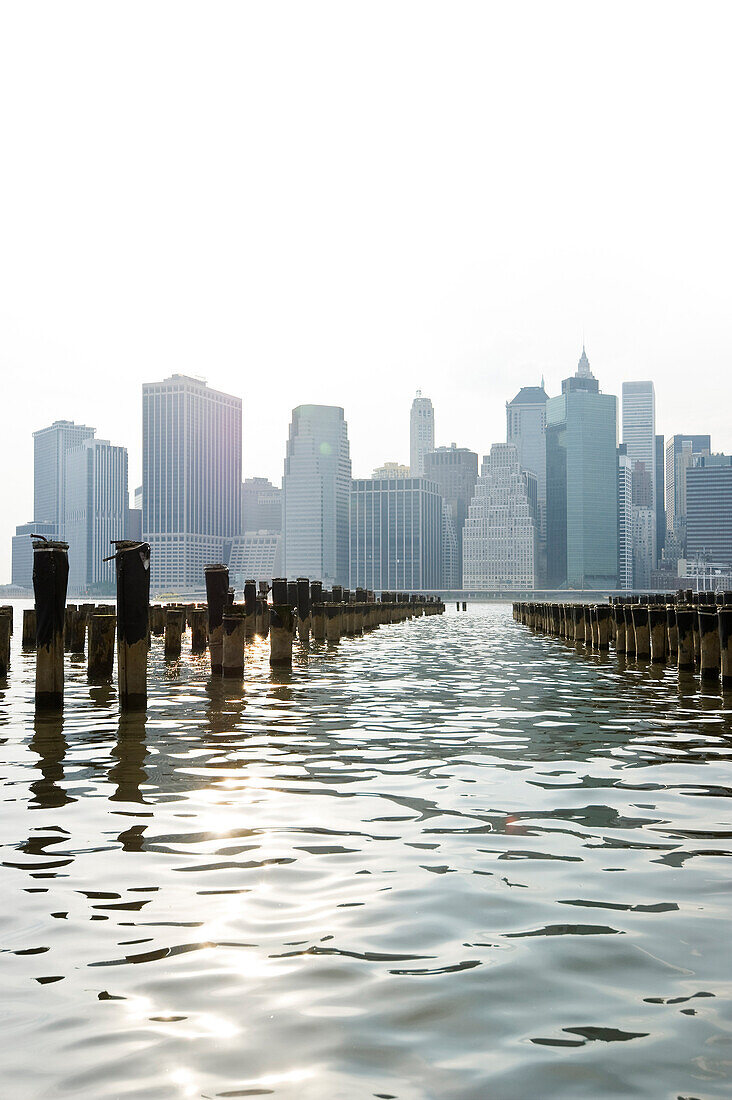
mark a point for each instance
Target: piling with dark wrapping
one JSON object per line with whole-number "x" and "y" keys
{"x": 133, "y": 610}
{"x": 50, "y": 580}
{"x": 217, "y": 595}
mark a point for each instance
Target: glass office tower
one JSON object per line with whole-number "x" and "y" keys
{"x": 315, "y": 492}
{"x": 396, "y": 534}
{"x": 581, "y": 472}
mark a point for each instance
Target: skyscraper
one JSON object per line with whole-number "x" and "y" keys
{"x": 625, "y": 519}
{"x": 501, "y": 532}
{"x": 709, "y": 509}
{"x": 581, "y": 484}
{"x": 315, "y": 491}
{"x": 526, "y": 429}
{"x": 639, "y": 435}
{"x": 261, "y": 505}
{"x": 660, "y": 499}
{"x": 50, "y": 448}
{"x": 97, "y": 509}
{"x": 191, "y": 479}
{"x": 681, "y": 452}
{"x": 396, "y": 534}
{"x": 421, "y": 433}
{"x": 455, "y": 471}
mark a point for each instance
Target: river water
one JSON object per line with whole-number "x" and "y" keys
{"x": 451, "y": 859}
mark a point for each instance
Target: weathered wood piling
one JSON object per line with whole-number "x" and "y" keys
{"x": 133, "y": 605}
{"x": 691, "y": 630}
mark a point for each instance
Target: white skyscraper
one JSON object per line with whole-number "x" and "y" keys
{"x": 191, "y": 479}
{"x": 315, "y": 495}
{"x": 625, "y": 520}
{"x": 96, "y": 512}
{"x": 639, "y": 436}
{"x": 421, "y": 433}
{"x": 500, "y": 536}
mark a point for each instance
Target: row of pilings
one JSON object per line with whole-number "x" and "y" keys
{"x": 282, "y": 612}
{"x": 690, "y": 630}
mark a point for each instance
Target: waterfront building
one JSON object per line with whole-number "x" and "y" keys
{"x": 134, "y": 524}
{"x": 643, "y": 532}
{"x": 451, "y": 562}
{"x": 22, "y": 550}
{"x": 625, "y": 519}
{"x": 526, "y": 429}
{"x": 261, "y": 505}
{"x": 97, "y": 506}
{"x": 191, "y": 479}
{"x": 396, "y": 535}
{"x": 500, "y": 541}
{"x": 390, "y": 469}
{"x": 421, "y": 433}
{"x": 660, "y": 499}
{"x": 639, "y": 435}
{"x": 709, "y": 509}
{"x": 50, "y": 447}
{"x": 681, "y": 453}
{"x": 581, "y": 484}
{"x": 315, "y": 495}
{"x": 455, "y": 471}
{"x": 255, "y": 555}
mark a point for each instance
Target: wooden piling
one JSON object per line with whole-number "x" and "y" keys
{"x": 217, "y": 594}
{"x": 102, "y": 631}
{"x": 234, "y": 638}
{"x": 133, "y": 611}
{"x": 709, "y": 647}
{"x": 50, "y": 580}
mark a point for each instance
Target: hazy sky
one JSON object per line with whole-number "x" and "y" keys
{"x": 339, "y": 203}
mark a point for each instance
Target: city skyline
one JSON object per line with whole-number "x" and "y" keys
{"x": 361, "y": 468}
{"x": 207, "y": 442}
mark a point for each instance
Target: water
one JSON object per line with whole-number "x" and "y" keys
{"x": 453, "y": 860}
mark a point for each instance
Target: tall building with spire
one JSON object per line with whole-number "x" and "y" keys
{"x": 421, "y": 433}
{"x": 582, "y": 484}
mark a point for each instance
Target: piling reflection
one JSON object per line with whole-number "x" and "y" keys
{"x": 49, "y": 744}
{"x": 130, "y": 751}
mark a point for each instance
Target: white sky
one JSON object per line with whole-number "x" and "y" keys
{"x": 339, "y": 203}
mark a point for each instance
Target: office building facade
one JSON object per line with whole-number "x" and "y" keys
{"x": 625, "y": 520}
{"x": 681, "y": 453}
{"x": 660, "y": 478}
{"x": 261, "y": 505}
{"x": 255, "y": 555}
{"x": 500, "y": 541}
{"x": 315, "y": 495}
{"x": 639, "y": 436}
{"x": 709, "y": 509}
{"x": 396, "y": 535}
{"x": 526, "y": 429}
{"x": 581, "y": 483}
{"x": 50, "y": 449}
{"x": 455, "y": 471}
{"x": 97, "y": 513}
{"x": 390, "y": 469}
{"x": 191, "y": 479}
{"x": 22, "y": 550}
{"x": 421, "y": 433}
